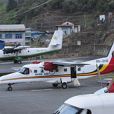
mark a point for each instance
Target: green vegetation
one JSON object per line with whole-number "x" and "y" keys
{"x": 12, "y": 4}
{"x": 15, "y": 10}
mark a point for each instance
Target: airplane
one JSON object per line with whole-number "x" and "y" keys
{"x": 88, "y": 104}
{"x": 60, "y": 72}
{"x": 18, "y": 52}
{"x": 108, "y": 89}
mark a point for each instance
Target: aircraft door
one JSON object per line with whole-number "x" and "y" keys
{"x": 73, "y": 72}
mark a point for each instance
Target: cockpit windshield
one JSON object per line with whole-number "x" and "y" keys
{"x": 24, "y": 70}
{"x": 68, "y": 109}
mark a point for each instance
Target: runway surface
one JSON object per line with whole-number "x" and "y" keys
{"x": 8, "y": 67}
{"x": 40, "y": 97}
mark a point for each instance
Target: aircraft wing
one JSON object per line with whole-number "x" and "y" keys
{"x": 69, "y": 63}
{"x": 21, "y": 47}
{"x": 10, "y": 49}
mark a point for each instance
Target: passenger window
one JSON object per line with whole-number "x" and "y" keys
{"x": 35, "y": 71}
{"x": 65, "y": 70}
{"x": 56, "y": 70}
{"x": 42, "y": 71}
{"x": 79, "y": 69}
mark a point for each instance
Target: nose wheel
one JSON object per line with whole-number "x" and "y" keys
{"x": 10, "y": 87}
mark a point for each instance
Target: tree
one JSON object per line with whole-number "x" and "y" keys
{"x": 12, "y": 4}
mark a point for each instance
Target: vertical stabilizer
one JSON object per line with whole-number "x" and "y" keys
{"x": 57, "y": 39}
{"x": 111, "y": 52}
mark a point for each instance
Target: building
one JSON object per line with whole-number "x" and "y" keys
{"x": 69, "y": 28}
{"x": 13, "y": 34}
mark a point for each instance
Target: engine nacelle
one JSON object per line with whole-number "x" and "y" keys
{"x": 50, "y": 66}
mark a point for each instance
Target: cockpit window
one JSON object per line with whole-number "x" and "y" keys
{"x": 24, "y": 70}
{"x": 68, "y": 109}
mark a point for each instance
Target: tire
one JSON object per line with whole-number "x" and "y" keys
{"x": 64, "y": 85}
{"x": 9, "y": 88}
{"x": 55, "y": 85}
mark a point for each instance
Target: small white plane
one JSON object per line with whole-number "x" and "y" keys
{"x": 60, "y": 72}
{"x": 14, "y": 53}
{"x": 88, "y": 104}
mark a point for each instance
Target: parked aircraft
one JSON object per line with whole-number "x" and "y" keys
{"x": 61, "y": 72}
{"x": 15, "y": 53}
{"x": 88, "y": 104}
{"x": 107, "y": 89}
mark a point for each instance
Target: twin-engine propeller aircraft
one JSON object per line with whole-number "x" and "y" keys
{"x": 60, "y": 72}
{"x": 13, "y": 53}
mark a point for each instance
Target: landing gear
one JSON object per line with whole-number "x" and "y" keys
{"x": 55, "y": 85}
{"x": 18, "y": 60}
{"x": 10, "y": 87}
{"x": 64, "y": 85}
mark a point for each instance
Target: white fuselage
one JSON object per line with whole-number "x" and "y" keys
{"x": 96, "y": 104}
{"x": 25, "y": 52}
{"x": 37, "y": 73}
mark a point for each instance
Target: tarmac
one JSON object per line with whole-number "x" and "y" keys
{"x": 41, "y": 97}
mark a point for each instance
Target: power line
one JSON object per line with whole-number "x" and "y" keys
{"x": 32, "y": 8}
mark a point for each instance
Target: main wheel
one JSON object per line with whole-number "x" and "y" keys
{"x": 64, "y": 85}
{"x": 55, "y": 85}
{"x": 9, "y": 88}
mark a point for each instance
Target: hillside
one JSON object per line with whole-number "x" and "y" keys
{"x": 30, "y": 11}
{"x": 44, "y": 15}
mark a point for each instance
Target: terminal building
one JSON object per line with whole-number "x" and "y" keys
{"x": 13, "y": 34}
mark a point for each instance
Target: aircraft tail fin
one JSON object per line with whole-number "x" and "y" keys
{"x": 111, "y": 52}
{"x": 57, "y": 40}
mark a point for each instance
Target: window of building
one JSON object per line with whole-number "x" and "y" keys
{"x": 35, "y": 71}
{"x": 0, "y": 36}
{"x": 18, "y": 35}
{"x": 8, "y": 35}
{"x": 65, "y": 70}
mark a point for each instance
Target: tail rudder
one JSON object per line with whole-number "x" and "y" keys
{"x": 57, "y": 39}
{"x": 111, "y": 52}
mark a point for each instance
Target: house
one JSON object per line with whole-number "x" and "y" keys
{"x": 13, "y": 33}
{"x": 69, "y": 28}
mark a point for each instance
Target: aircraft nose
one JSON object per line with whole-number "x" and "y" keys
{"x": 3, "y": 79}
